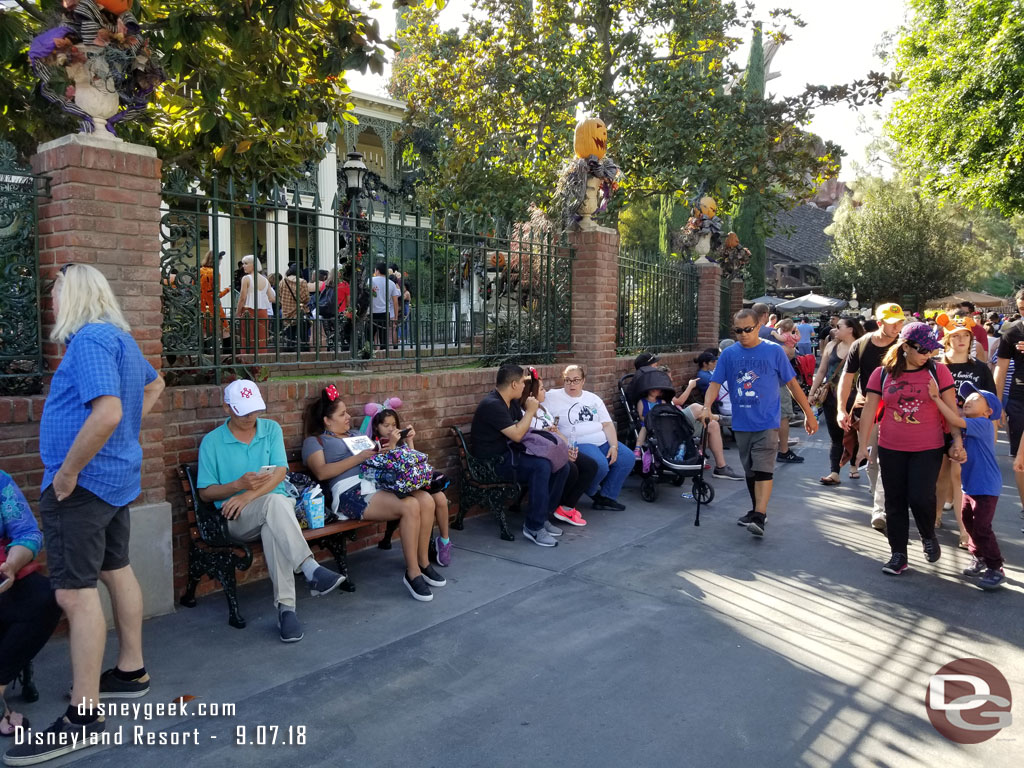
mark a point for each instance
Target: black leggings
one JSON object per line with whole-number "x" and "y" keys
{"x": 581, "y": 474}
{"x": 835, "y": 432}
{"x": 909, "y": 479}
{"x": 28, "y": 615}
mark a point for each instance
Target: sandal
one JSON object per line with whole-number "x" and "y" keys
{"x": 829, "y": 480}
{"x": 854, "y": 474}
{"x": 9, "y": 726}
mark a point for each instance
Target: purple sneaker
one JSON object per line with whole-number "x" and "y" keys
{"x": 444, "y": 552}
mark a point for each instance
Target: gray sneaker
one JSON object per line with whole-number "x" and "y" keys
{"x": 541, "y": 538}
{"x": 554, "y": 530}
{"x": 726, "y": 473}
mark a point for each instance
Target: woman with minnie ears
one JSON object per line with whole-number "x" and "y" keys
{"x": 582, "y": 468}
{"x": 331, "y": 461}
{"x": 385, "y": 426}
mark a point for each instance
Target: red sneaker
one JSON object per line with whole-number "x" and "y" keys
{"x": 570, "y": 516}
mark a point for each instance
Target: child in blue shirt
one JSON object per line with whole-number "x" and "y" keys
{"x": 980, "y": 478}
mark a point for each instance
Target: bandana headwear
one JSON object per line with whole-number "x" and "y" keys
{"x": 331, "y": 392}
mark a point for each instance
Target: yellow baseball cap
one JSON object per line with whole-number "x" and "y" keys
{"x": 889, "y": 313}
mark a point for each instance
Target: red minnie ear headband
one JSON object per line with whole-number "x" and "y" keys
{"x": 331, "y": 392}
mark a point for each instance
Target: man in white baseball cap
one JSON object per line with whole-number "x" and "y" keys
{"x": 242, "y": 464}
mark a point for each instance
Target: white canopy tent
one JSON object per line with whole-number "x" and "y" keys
{"x": 812, "y": 302}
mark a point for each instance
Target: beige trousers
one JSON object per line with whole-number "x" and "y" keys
{"x": 271, "y": 519}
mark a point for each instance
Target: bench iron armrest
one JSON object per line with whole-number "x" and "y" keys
{"x": 211, "y": 524}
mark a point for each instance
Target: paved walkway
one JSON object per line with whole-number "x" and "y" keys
{"x": 640, "y": 641}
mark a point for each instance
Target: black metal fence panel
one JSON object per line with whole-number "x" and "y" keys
{"x": 657, "y": 303}
{"x": 458, "y": 286}
{"x": 21, "y": 344}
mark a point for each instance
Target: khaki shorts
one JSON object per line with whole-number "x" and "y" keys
{"x": 758, "y": 450}
{"x": 785, "y": 403}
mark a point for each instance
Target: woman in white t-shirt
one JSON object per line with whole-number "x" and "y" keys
{"x": 254, "y": 302}
{"x": 582, "y": 415}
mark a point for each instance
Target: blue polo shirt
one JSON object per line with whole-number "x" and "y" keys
{"x": 223, "y": 458}
{"x": 754, "y": 376}
{"x": 980, "y": 475}
{"x": 101, "y": 359}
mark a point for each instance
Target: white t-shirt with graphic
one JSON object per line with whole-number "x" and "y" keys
{"x": 382, "y": 290}
{"x": 587, "y": 413}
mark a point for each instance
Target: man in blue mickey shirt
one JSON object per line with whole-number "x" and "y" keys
{"x": 755, "y": 370}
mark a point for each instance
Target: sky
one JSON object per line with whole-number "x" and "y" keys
{"x": 836, "y": 46}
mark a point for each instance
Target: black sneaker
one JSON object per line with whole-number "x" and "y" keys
{"x": 976, "y": 568}
{"x": 432, "y": 577}
{"x": 61, "y": 738}
{"x": 756, "y": 524}
{"x": 113, "y": 687}
{"x": 789, "y": 458}
{"x": 603, "y": 502}
{"x": 418, "y": 588}
{"x": 897, "y": 564}
{"x": 932, "y": 550}
{"x": 746, "y": 519}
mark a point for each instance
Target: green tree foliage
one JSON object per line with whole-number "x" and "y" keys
{"x": 639, "y": 225}
{"x": 247, "y": 80}
{"x": 892, "y": 244}
{"x": 500, "y": 98}
{"x": 959, "y": 124}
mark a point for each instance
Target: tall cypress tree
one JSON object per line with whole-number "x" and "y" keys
{"x": 749, "y": 223}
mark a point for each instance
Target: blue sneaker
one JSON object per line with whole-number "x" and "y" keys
{"x": 992, "y": 579}
{"x": 324, "y": 580}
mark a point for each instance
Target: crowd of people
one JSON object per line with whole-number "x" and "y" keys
{"x": 924, "y": 426}
{"x": 310, "y": 303}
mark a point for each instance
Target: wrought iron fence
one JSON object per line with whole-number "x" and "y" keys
{"x": 657, "y": 302}
{"x": 21, "y": 348}
{"x": 725, "y": 309}
{"x": 467, "y": 286}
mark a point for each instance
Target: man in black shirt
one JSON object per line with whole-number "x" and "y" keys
{"x": 864, "y": 357}
{"x": 499, "y": 420}
{"x": 1011, "y": 347}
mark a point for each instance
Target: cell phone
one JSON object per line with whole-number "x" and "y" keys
{"x": 556, "y": 421}
{"x": 405, "y": 432}
{"x": 3, "y": 577}
{"x": 268, "y": 468}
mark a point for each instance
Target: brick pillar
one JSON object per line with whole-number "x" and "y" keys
{"x": 738, "y": 287}
{"x": 104, "y": 210}
{"x": 708, "y": 298}
{"x": 595, "y": 300}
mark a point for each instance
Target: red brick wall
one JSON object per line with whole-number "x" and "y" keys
{"x": 104, "y": 211}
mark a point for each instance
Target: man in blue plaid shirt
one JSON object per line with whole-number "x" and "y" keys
{"x": 89, "y": 445}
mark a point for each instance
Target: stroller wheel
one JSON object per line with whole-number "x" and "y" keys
{"x": 677, "y": 480}
{"x": 702, "y": 491}
{"x": 648, "y": 489}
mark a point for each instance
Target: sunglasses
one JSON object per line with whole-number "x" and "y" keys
{"x": 64, "y": 269}
{"x": 748, "y": 329}
{"x": 917, "y": 348}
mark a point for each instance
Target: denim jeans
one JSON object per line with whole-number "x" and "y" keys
{"x": 544, "y": 486}
{"x": 609, "y": 478}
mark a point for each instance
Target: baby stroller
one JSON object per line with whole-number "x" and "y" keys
{"x": 675, "y": 452}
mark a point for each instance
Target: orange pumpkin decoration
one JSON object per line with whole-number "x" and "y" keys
{"x": 708, "y": 207}
{"x": 116, "y": 7}
{"x": 591, "y": 138}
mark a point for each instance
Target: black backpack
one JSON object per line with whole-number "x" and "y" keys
{"x": 327, "y": 302}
